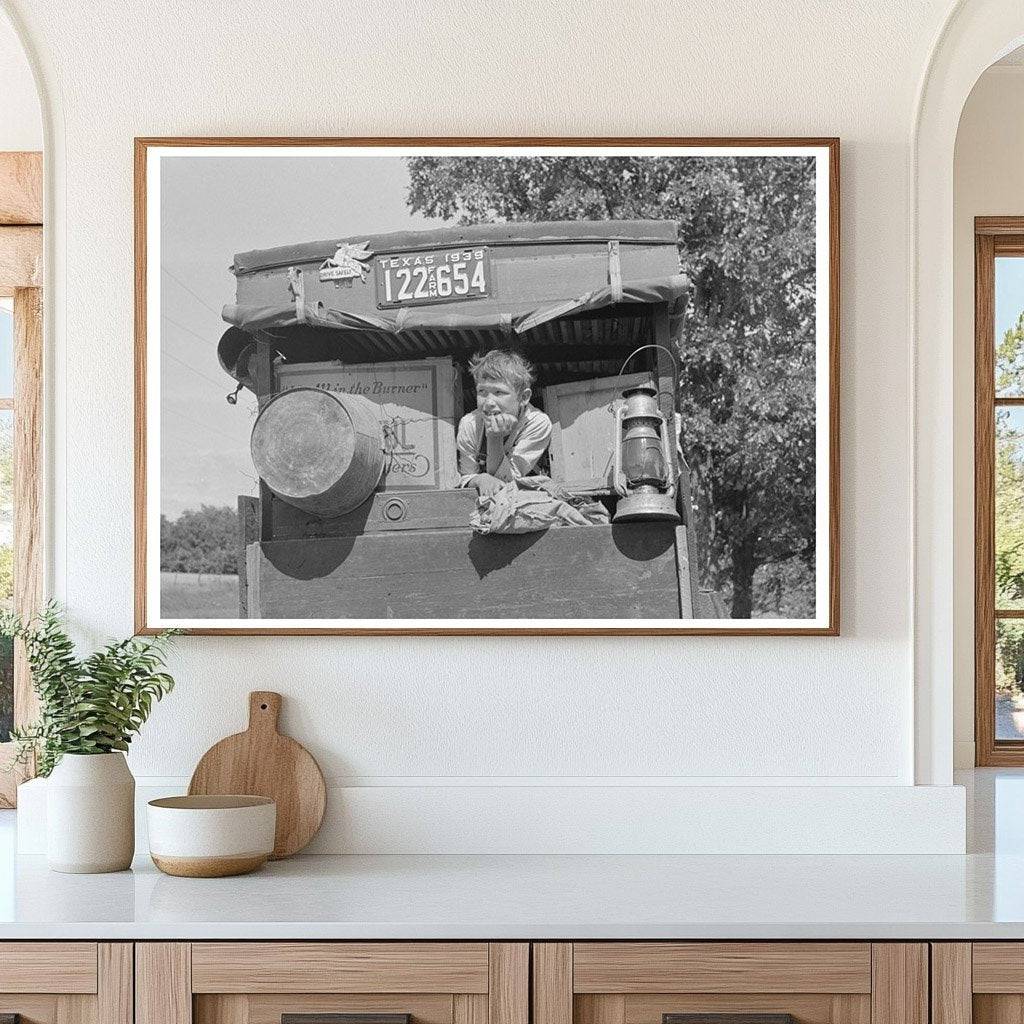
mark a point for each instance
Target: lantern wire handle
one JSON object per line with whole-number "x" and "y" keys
{"x": 641, "y": 348}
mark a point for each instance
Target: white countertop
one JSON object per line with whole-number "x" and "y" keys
{"x": 532, "y": 897}
{"x": 977, "y": 896}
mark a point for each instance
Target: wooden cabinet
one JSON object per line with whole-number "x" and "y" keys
{"x": 980, "y": 982}
{"x": 66, "y": 982}
{"x": 815, "y": 982}
{"x": 259, "y": 982}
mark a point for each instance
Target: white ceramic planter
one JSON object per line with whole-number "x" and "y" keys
{"x": 90, "y": 814}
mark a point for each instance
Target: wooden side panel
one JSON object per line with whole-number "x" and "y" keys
{"x": 951, "y": 983}
{"x": 850, "y": 1009}
{"x": 163, "y": 983}
{"x": 998, "y": 967}
{"x": 339, "y": 967}
{"x": 899, "y": 992}
{"x": 115, "y": 996}
{"x": 48, "y": 967}
{"x": 722, "y": 967}
{"x": 21, "y": 188}
{"x": 621, "y": 571}
{"x": 509, "y": 983}
{"x": 76, "y": 1009}
{"x": 21, "y": 258}
{"x": 552, "y": 983}
{"x": 583, "y": 445}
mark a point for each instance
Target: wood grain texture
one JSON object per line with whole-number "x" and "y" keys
{"x": 831, "y": 144}
{"x": 806, "y": 1008}
{"x": 997, "y": 967}
{"x": 600, "y": 1009}
{"x": 163, "y": 983}
{"x": 21, "y": 188}
{"x": 851, "y": 1009}
{"x": 509, "y": 983}
{"x": 76, "y": 1009}
{"x": 262, "y": 762}
{"x": 997, "y": 1009}
{"x": 552, "y": 983}
{"x": 224, "y": 1009}
{"x": 21, "y": 257}
{"x": 951, "y": 983}
{"x": 48, "y": 967}
{"x": 756, "y": 967}
{"x": 339, "y": 967}
{"x": 31, "y": 1009}
{"x": 115, "y": 990}
{"x": 468, "y": 1008}
{"x": 899, "y": 989}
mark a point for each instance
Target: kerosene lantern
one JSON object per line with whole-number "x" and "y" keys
{"x": 643, "y": 459}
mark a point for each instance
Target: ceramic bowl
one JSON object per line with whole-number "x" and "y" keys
{"x": 211, "y": 836}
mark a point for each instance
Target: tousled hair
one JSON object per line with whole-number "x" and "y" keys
{"x": 500, "y": 365}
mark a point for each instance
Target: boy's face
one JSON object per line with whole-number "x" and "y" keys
{"x": 495, "y": 396}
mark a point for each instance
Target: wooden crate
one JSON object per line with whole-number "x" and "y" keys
{"x": 583, "y": 429}
{"x": 420, "y": 404}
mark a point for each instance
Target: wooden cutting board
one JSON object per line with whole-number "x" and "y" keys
{"x": 262, "y": 762}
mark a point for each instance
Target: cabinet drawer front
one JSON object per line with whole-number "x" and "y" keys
{"x": 721, "y": 967}
{"x": 48, "y": 967}
{"x": 339, "y": 967}
{"x": 998, "y": 967}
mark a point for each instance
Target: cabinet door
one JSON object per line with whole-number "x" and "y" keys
{"x": 304, "y": 982}
{"x": 980, "y": 982}
{"x": 66, "y": 982}
{"x": 748, "y": 982}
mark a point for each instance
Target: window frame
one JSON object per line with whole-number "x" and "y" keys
{"x": 993, "y": 237}
{"x": 21, "y": 260}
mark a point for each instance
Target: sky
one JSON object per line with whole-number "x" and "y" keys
{"x": 211, "y": 208}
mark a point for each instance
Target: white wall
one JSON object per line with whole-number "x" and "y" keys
{"x": 21, "y": 125}
{"x": 988, "y": 181}
{"x": 393, "y": 715}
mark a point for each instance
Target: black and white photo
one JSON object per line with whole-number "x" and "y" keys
{"x": 462, "y": 387}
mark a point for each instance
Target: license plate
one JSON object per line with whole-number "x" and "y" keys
{"x": 441, "y": 275}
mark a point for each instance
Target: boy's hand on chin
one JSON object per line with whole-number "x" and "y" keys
{"x": 499, "y": 423}
{"x": 487, "y": 485}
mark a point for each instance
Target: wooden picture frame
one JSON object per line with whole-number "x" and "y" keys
{"x": 697, "y": 612}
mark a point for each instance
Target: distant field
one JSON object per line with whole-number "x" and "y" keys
{"x": 185, "y": 595}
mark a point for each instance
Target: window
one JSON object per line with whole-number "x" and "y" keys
{"x": 999, "y": 490}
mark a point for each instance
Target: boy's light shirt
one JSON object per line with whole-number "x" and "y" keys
{"x": 507, "y": 458}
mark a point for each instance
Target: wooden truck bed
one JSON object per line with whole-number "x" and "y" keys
{"x": 619, "y": 571}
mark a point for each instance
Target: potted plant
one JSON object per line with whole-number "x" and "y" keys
{"x": 89, "y": 709}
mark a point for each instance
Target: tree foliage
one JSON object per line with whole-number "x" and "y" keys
{"x": 747, "y": 243}
{"x": 203, "y": 540}
{"x": 90, "y": 705}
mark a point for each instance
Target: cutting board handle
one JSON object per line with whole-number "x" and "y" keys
{"x": 264, "y": 710}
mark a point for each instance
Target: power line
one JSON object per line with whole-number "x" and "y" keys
{"x": 192, "y": 292}
{"x": 219, "y": 385}
{"x": 204, "y": 426}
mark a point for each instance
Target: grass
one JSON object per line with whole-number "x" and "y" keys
{"x": 185, "y": 595}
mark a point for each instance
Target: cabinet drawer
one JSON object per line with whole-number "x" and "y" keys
{"x": 48, "y": 967}
{"x": 261, "y": 982}
{"x": 748, "y": 982}
{"x": 340, "y": 967}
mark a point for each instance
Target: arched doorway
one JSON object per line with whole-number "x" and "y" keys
{"x": 975, "y": 35}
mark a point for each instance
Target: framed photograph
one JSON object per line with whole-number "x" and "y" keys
{"x": 487, "y": 386}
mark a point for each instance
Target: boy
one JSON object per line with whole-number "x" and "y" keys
{"x": 504, "y": 437}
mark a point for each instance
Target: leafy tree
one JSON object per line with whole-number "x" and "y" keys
{"x": 746, "y": 241}
{"x": 203, "y": 540}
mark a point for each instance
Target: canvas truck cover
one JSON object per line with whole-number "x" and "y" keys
{"x": 535, "y": 272}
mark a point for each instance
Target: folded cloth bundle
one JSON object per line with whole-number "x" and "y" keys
{"x": 532, "y": 504}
